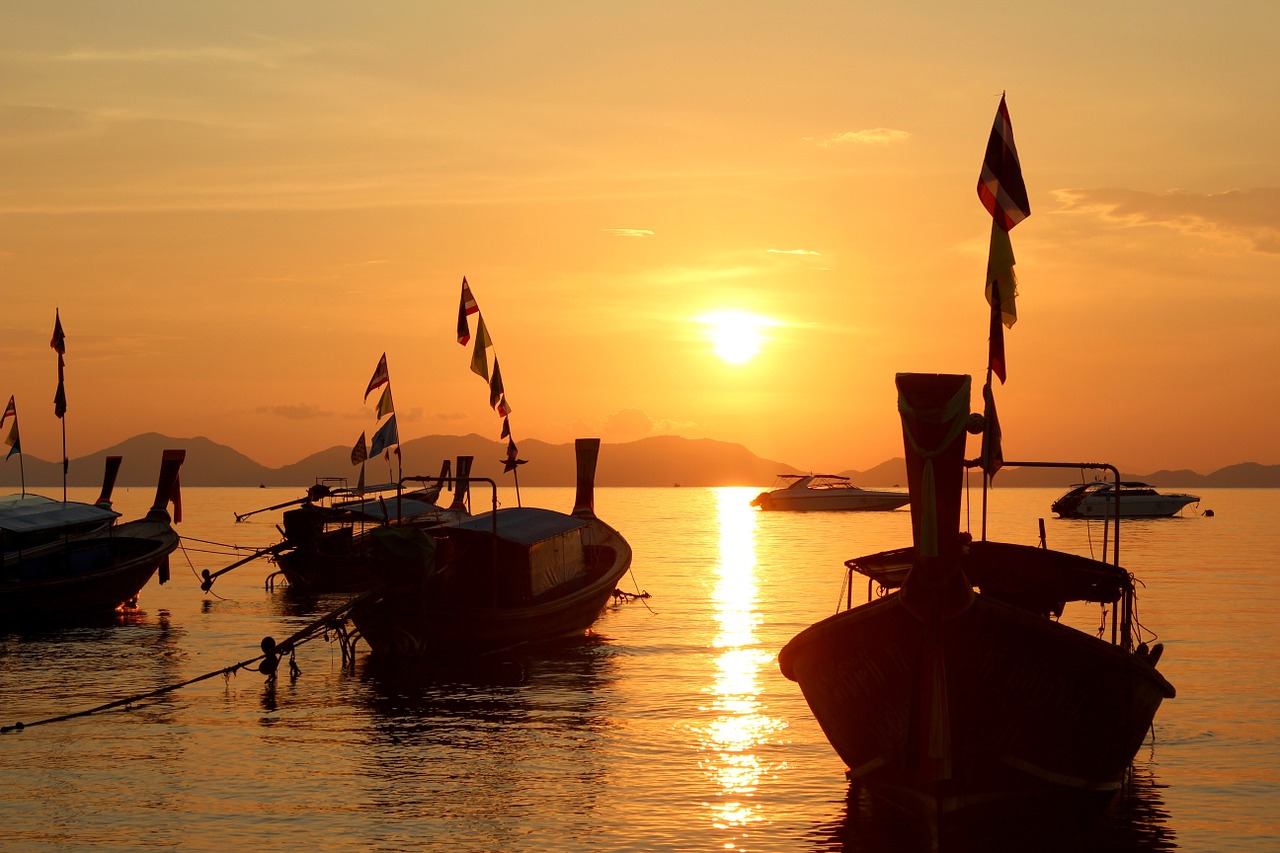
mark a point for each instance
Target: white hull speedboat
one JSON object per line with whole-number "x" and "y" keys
{"x": 825, "y": 492}
{"x": 1137, "y": 500}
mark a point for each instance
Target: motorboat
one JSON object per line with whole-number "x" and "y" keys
{"x": 1136, "y": 500}
{"x": 825, "y": 492}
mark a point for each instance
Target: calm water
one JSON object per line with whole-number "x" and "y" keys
{"x": 671, "y": 729}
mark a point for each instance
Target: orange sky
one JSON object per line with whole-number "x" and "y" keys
{"x": 238, "y": 207}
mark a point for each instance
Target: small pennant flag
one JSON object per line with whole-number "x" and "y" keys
{"x": 59, "y": 340}
{"x": 992, "y": 453}
{"x": 59, "y": 344}
{"x": 466, "y": 306}
{"x": 15, "y": 446}
{"x": 385, "y": 438}
{"x": 385, "y": 406}
{"x": 1000, "y": 185}
{"x": 480, "y": 357}
{"x": 496, "y": 391}
{"x": 1001, "y": 290}
{"x": 359, "y": 452}
{"x": 380, "y": 377}
{"x": 511, "y": 462}
{"x": 10, "y": 411}
{"x": 506, "y": 428}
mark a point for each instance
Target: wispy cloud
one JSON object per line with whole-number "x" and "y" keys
{"x": 1251, "y": 216}
{"x": 873, "y": 136}
{"x": 628, "y": 232}
{"x": 791, "y": 252}
{"x": 295, "y": 412}
{"x": 636, "y": 423}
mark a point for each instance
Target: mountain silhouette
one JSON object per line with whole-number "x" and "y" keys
{"x": 664, "y": 460}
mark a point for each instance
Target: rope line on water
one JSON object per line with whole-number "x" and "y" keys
{"x": 272, "y": 653}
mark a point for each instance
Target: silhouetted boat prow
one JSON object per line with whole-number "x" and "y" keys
{"x": 946, "y": 699}
{"x": 65, "y": 560}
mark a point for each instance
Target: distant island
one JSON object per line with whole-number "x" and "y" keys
{"x": 655, "y": 461}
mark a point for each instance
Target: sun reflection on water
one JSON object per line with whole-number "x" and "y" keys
{"x": 739, "y": 725}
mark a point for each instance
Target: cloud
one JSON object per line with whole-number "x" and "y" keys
{"x": 628, "y": 232}
{"x": 295, "y": 412}
{"x": 874, "y": 136}
{"x": 636, "y": 423}
{"x": 791, "y": 252}
{"x": 1249, "y": 216}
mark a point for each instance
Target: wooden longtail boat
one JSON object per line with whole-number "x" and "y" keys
{"x": 66, "y": 561}
{"x": 944, "y": 697}
{"x": 500, "y": 579}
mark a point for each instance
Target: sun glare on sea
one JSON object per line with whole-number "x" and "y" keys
{"x": 735, "y": 336}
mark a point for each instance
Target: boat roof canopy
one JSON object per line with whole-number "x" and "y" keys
{"x": 523, "y": 525}
{"x": 35, "y": 513}
{"x": 395, "y": 509}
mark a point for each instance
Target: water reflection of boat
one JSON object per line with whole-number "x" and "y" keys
{"x": 67, "y": 559}
{"x": 825, "y": 492}
{"x": 945, "y": 698}
{"x": 500, "y": 579}
{"x": 1136, "y": 822}
{"x": 1135, "y": 500}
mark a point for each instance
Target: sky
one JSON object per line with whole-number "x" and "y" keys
{"x": 238, "y": 207}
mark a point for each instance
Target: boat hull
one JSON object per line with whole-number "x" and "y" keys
{"x": 992, "y": 703}
{"x": 87, "y": 575}
{"x": 417, "y": 620}
{"x": 830, "y": 501}
{"x": 1146, "y": 507}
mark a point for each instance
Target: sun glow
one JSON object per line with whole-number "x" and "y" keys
{"x": 735, "y": 336}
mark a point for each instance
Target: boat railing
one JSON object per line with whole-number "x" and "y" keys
{"x": 1123, "y": 623}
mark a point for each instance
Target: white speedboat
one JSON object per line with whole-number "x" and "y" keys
{"x": 809, "y": 492}
{"x": 1137, "y": 500}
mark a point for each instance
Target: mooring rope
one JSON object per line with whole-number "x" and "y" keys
{"x": 272, "y": 653}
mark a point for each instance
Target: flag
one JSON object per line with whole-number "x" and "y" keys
{"x": 1001, "y": 293}
{"x": 380, "y": 377}
{"x": 509, "y": 464}
{"x": 992, "y": 453}
{"x": 59, "y": 340}
{"x": 466, "y": 305}
{"x": 995, "y": 348}
{"x": 15, "y": 446}
{"x": 10, "y": 410}
{"x": 384, "y": 403}
{"x": 1000, "y": 183}
{"x": 498, "y": 395}
{"x": 506, "y": 428}
{"x": 359, "y": 453}
{"x": 59, "y": 344}
{"x": 479, "y": 357}
{"x": 386, "y": 437}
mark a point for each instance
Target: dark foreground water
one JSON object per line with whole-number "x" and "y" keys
{"x": 670, "y": 729}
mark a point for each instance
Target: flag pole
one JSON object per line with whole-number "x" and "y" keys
{"x": 22, "y": 467}
{"x": 986, "y": 444}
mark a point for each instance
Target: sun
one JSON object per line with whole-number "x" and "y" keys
{"x": 735, "y": 336}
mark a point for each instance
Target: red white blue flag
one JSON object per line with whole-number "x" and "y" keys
{"x": 1000, "y": 183}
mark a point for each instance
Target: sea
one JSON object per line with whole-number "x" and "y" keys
{"x": 668, "y": 728}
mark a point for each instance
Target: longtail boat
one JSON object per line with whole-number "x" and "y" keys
{"x": 64, "y": 559}
{"x": 941, "y": 696}
{"x": 504, "y": 578}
